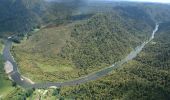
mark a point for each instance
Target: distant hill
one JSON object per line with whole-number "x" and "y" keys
{"x": 19, "y": 15}
{"x": 158, "y": 12}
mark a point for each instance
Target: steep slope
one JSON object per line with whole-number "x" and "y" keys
{"x": 81, "y": 47}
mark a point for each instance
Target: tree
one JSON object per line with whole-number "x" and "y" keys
{"x": 14, "y": 84}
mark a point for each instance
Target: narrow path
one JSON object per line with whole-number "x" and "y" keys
{"x": 16, "y": 76}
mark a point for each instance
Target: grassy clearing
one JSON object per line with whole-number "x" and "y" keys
{"x": 39, "y": 68}
{"x": 47, "y": 69}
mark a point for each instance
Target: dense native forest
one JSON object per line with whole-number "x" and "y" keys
{"x": 16, "y": 17}
{"x": 104, "y": 32}
{"x": 65, "y": 40}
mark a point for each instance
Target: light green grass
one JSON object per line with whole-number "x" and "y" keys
{"x": 49, "y": 68}
{"x": 39, "y": 68}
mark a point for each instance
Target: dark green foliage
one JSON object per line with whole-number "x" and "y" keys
{"x": 14, "y": 84}
{"x": 29, "y": 92}
{"x": 56, "y": 92}
{"x": 61, "y": 98}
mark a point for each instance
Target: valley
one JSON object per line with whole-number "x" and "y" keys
{"x": 84, "y": 50}
{"x": 15, "y": 75}
{"x": 75, "y": 55}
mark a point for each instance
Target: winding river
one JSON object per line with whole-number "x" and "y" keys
{"x": 20, "y": 80}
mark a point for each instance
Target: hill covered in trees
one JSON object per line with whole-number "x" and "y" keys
{"x": 18, "y": 16}
{"x": 21, "y": 16}
{"x": 146, "y": 77}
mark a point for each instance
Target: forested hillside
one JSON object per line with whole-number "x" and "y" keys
{"x": 106, "y": 38}
{"x": 158, "y": 12}
{"x": 18, "y": 16}
{"x": 22, "y": 16}
{"x": 145, "y": 78}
